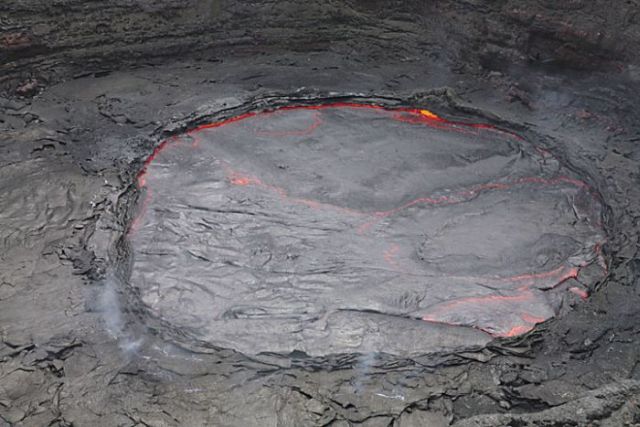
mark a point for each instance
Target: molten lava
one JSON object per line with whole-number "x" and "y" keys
{"x": 295, "y": 214}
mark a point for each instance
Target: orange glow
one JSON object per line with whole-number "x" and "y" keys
{"x": 462, "y": 195}
{"x": 580, "y": 292}
{"x": 522, "y": 297}
{"x": 363, "y": 221}
{"x": 411, "y": 115}
{"x": 389, "y": 255}
{"x": 428, "y": 114}
{"x": 529, "y": 318}
{"x": 516, "y": 330}
{"x": 241, "y": 181}
{"x": 516, "y": 300}
{"x": 561, "y": 274}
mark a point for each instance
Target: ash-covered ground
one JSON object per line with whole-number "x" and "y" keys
{"x": 92, "y": 89}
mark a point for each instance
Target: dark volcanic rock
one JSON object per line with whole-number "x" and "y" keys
{"x": 57, "y": 41}
{"x": 92, "y": 87}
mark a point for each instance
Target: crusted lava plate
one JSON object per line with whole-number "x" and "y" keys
{"x": 347, "y": 227}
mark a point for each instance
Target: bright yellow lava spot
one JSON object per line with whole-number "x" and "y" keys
{"x": 429, "y": 114}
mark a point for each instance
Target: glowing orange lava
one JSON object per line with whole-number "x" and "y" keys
{"x": 528, "y": 283}
{"x": 428, "y": 114}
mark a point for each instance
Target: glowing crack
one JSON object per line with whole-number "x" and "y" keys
{"x": 292, "y": 215}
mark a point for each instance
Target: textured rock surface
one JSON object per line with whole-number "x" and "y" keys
{"x": 42, "y": 41}
{"x": 75, "y": 131}
{"x": 335, "y": 229}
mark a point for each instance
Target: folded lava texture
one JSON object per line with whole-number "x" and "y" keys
{"x": 352, "y": 228}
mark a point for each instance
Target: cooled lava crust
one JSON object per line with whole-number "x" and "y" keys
{"x": 350, "y": 227}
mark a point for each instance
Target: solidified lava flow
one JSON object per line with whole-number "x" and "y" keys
{"x": 350, "y": 228}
